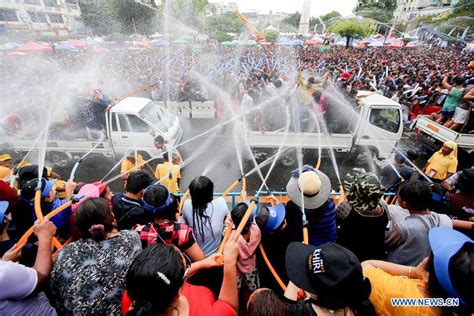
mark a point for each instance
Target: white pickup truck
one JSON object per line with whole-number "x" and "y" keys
{"x": 131, "y": 124}
{"x": 429, "y": 136}
{"x": 377, "y": 126}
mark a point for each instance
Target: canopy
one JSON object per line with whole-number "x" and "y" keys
{"x": 396, "y": 44}
{"x": 229, "y": 43}
{"x": 65, "y": 47}
{"x": 413, "y": 44}
{"x": 78, "y": 43}
{"x": 375, "y": 44}
{"x": 35, "y": 47}
{"x": 10, "y": 45}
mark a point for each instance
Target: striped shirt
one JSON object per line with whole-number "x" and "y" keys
{"x": 170, "y": 233}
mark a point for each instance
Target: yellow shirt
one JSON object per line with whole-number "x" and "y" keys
{"x": 439, "y": 165}
{"x": 386, "y": 286}
{"x": 128, "y": 166}
{"x": 163, "y": 172}
{"x": 5, "y": 172}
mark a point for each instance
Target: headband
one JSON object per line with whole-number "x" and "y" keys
{"x": 156, "y": 209}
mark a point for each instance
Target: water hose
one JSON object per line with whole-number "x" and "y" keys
{"x": 231, "y": 187}
{"x": 271, "y": 268}
{"x": 181, "y": 203}
{"x": 39, "y": 213}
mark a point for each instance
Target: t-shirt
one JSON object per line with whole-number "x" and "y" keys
{"x": 246, "y": 262}
{"x": 414, "y": 231}
{"x": 16, "y": 280}
{"x": 129, "y": 212}
{"x": 89, "y": 277}
{"x": 453, "y": 99}
{"x": 202, "y": 302}
{"x": 386, "y": 286}
{"x": 397, "y": 213}
{"x": 390, "y": 179}
{"x": 128, "y": 166}
{"x": 32, "y": 305}
{"x": 209, "y": 237}
{"x": 178, "y": 234}
{"x": 200, "y": 299}
{"x": 168, "y": 175}
{"x": 439, "y": 165}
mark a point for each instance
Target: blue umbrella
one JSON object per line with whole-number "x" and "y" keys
{"x": 65, "y": 47}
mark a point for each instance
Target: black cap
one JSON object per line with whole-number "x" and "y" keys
{"x": 330, "y": 271}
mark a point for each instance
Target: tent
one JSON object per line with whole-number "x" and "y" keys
{"x": 396, "y": 44}
{"x": 78, "y": 43}
{"x": 160, "y": 42}
{"x": 375, "y": 44}
{"x": 65, "y": 47}
{"x": 10, "y": 45}
{"x": 229, "y": 43}
{"x": 35, "y": 47}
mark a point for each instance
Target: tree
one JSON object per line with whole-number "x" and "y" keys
{"x": 329, "y": 16}
{"x": 272, "y": 36}
{"x": 97, "y": 18}
{"x": 228, "y": 22}
{"x": 221, "y": 36}
{"x": 351, "y": 28}
{"x": 293, "y": 19}
{"x": 132, "y": 17}
{"x": 381, "y": 10}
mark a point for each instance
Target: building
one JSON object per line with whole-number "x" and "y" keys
{"x": 43, "y": 17}
{"x": 220, "y": 8}
{"x": 410, "y": 9}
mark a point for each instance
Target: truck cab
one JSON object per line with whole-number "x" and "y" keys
{"x": 133, "y": 123}
{"x": 376, "y": 124}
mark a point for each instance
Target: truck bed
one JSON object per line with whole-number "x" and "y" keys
{"x": 339, "y": 142}
{"x": 443, "y": 134}
{"x": 72, "y": 146}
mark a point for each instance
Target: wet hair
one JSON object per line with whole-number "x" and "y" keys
{"x": 262, "y": 218}
{"x": 459, "y": 81}
{"x": 466, "y": 181}
{"x": 237, "y": 214}
{"x": 138, "y": 181}
{"x": 156, "y": 195}
{"x": 166, "y": 156}
{"x": 154, "y": 279}
{"x": 278, "y": 83}
{"x": 416, "y": 193}
{"x": 201, "y": 190}
{"x": 267, "y": 302}
{"x": 159, "y": 139}
{"x": 412, "y": 155}
{"x": 461, "y": 273}
{"x": 94, "y": 218}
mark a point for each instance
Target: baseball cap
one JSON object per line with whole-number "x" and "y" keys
{"x": 276, "y": 216}
{"x": 345, "y": 75}
{"x": 445, "y": 244}
{"x": 155, "y": 208}
{"x": 3, "y": 210}
{"x": 29, "y": 188}
{"x": 330, "y": 271}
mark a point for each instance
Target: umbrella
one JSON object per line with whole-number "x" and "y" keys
{"x": 317, "y": 40}
{"x": 65, "y": 47}
{"x": 247, "y": 42}
{"x": 297, "y": 42}
{"x": 35, "y": 47}
{"x": 310, "y": 42}
{"x": 10, "y": 45}
{"x": 180, "y": 41}
{"x": 375, "y": 44}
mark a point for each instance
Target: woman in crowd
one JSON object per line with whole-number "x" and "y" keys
{"x": 164, "y": 229}
{"x": 205, "y": 214}
{"x": 450, "y": 274}
{"x": 89, "y": 275}
{"x": 156, "y": 284}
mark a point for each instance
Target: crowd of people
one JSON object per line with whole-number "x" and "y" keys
{"x": 144, "y": 252}
{"x": 151, "y": 251}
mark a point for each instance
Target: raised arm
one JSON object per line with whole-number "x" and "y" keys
{"x": 446, "y": 84}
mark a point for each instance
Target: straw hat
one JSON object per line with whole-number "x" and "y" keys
{"x": 310, "y": 188}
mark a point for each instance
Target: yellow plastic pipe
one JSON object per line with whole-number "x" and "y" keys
{"x": 271, "y": 268}
{"x": 39, "y": 215}
{"x": 232, "y": 186}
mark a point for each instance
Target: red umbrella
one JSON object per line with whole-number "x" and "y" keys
{"x": 310, "y": 42}
{"x": 35, "y": 47}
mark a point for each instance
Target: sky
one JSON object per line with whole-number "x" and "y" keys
{"x": 318, "y": 7}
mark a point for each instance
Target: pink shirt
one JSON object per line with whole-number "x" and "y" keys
{"x": 247, "y": 258}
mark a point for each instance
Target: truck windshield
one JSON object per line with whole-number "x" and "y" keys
{"x": 387, "y": 119}
{"x": 158, "y": 116}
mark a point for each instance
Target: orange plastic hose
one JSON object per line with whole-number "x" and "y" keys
{"x": 39, "y": 216}
{"x": 233, "y": 185}
{"x": 305, "y": 235}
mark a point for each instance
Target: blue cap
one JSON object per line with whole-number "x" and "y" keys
{"x": 48, "y": 186}
{"x": 3, "y": 210}
{"x": 276, "y": 216}
{"x": 156, "y": 209}
{"x": 445, "y": 243}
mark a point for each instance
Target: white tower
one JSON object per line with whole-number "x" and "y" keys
{"x": 304, "y": 21}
